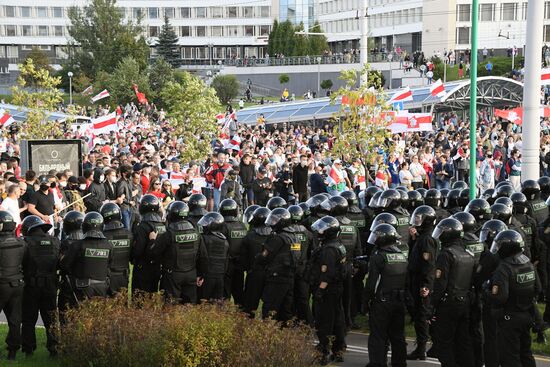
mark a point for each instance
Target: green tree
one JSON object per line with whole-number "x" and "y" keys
{"x": 226, "y": 86}
{"x": 326, "y": 84}
{"x": 284, "y": 78}
{"x": 167, "y": 45}
{"x": 301, "y": 44}
{"x": 376, "y": 79}
{"x": 192, "y": 107}
{"x": 317, "y": 43}
{"x": 288, "y": 38}
{"x": 120, "y": 82}
{"x": 40, "y": 61}
{"x": 272, "y": 42}
{"x": 100, "y": 38}
{"x": 160, "y": 73}
{"x": 39, "y": 100}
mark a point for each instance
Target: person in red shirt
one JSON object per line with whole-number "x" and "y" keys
{"x": 155, "y": 189}
{"x": 145, "y": 177}
{"x": 215, "y": 176}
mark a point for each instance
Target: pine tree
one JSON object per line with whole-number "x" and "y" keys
{"x": 301, "y": 45}
{"x": 317, "y": 43}
{"x": 271, "y": 43}
{"x": 167, "y": 45}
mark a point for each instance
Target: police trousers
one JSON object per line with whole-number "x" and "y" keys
{"x": 301, "y": 301}
{"x": 387, "y": 323}
{"x": 146, "y": 277}
{"x": 476, "y": 332}
{"x": 43, "y": 300}
{"x": 329, "y": 320}
{"x": 213, "y": 287}
{"x": 11, "y": 297}
{"x": 117, "y": 281}
{"x": 278, "y": 299}
{"x": 253, "y": 290}
{"x": 452, "y": 336}
{"x": 420, "y": 313}
{"x": 490, "y": 350}
{"x": 234, "y": 283}
{"x": 179, "y": 287}
{"x": 514, "y": 340}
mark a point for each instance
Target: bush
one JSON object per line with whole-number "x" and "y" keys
{"x": 109, "y": 332}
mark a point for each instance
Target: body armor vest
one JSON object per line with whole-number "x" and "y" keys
{"x": 93, "y": 259}
{"x": 120, "y": 239}
{"x": 460, "y": 277}
{"x": 402, "y": 228}
{"x": 340, "y": 250}
{"x": 283, "y": 263}
{"x": 538, "y": 210}
{"x": 218, "y": 250}
{"x": 302, "y": 237}
{"x": 236, "y": 231}
{"x": 43, "y": 255}
{"x": 521, "y": 287}
{"x": 348, "y": 235}
{"x": 184, "y": 247}
{"x": 393, "y": 276}
{"x": 474, "y": 245}
{"x": 12, "y": 251}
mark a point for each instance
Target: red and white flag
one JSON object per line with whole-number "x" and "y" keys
{"x": 514, "y": 115}
{"x": 101, "y": 95}
{"x": 403, "y": 96}
{"x": 437, "y": 89}
{"x": 88, "y": 91}
{"x": 5, "y": 118}
{"x": 380, "y": 179}
{"x": 234, "y": 143}
{"x": 411, "y": 122}
{"x": 105, "y": 124}
{"x": 545, "y": 76}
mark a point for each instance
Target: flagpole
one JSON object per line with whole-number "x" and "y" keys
{"x": 473, "y": 100}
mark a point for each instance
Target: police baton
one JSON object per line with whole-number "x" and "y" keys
{"x": 68, "y": 280}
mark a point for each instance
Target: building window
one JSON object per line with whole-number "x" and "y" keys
{"x": 216, "y": 12}
{"x": 546, "y": 33}
{"x": 11, "y": 31}
{"x": 137, "y": 13}
{"x": 264, "y": 30}
{"x": 463, "y": 12}
{"x": 487, "y": 12}
{"x": 201, "y": 31}
{"x": 153, "y": 13}
{"x": 232, "y": 31}
{"x": 546, "y": 10}
{"x": 58, "y": 31}
{"x": 248, "y": 12}
{"x": 232, "y": 12}
{"x": 463, "y": 36}
{"x": 25, "y": 11}
{"x": 42, "y": 12}
{"x": 57, "y": 12}
{"x": 219, "y": 52}
{"x": 43, "y": 30}
{"x": 45, "y": 48}
{"x": 170, "y": 12}
{"x": 201, "y": 52}
{"x": 200, "y": 12}
{"x": 185, "y": 31}
{"x": 264, "y": 12}
{"x": 9, "y": 11}
{"x": 122, "y": 12}
{"x": 216, "y": 31}
{"x": 509, "y": 11}
{"x": 187, "y": 53}
{"x": 249, "y": 30}
{"x": 12, "y": 51}
{"x": 26, "y": 30}
{"x": 153, "y": 31}
{"x": 524, "y": 11}
{"x": 185, "y": 12}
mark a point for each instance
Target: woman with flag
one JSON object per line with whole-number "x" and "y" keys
{"x": 336, "y": 178}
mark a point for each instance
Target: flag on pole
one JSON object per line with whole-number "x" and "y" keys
{"x": 88, "y": 91}
{"x": 514, "y": 115}
{"x": 140, "y": 96}
{"x": 411, "y": 122}
{"x": 336, "y": 179}
{"x": 545, "y": 76}
{"x": 5, "y": 118}
{"x": 234, "y": 143}
{"x": 105, "y": 124}
{"x": 403, "y": 96}
{"x": 380, "y": 179}
{"x": 101, "y": 95}
{"x": 437, "y": 89}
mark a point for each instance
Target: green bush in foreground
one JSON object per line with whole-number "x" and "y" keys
{"x": 109, "y": 332}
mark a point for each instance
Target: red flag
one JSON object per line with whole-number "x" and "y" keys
{"x": 103, "y": 94}
{"x": 345, "y": 100}
{"x": 514, "y": 115}
{"x": 403, "y": 96}
{"x": 140, "y": 96}
{"x": 105, "y": 124}
{"x": 5, "y": 118}
{"x": 545, "y": 76}
{"x": 437, "y": 89}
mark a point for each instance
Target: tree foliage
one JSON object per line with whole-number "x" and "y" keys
{"x": 41, "y": 62}
{"x": 317, "y": 43}
{"x": 301, "y": 44}
{"x": 192, "y": 107}
{"x": 284, "y": 40}
{"x": 160, "y": 73}
{"x": 100, "y": 38}
{"x": 326, "y": 84}
{"x": 167, "y": 45}
{"x": 226, "y": 86}
{"x": 284, "y": 78}
{"x": 120, "y": 82}
{"x": 43, "y": 97}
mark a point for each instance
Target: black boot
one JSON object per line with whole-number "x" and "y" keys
{"x": 418, "y": 354}
{"x": 432, "y": 353}
{"x": 11, "y": 355}
{"x": 541, "y": 338}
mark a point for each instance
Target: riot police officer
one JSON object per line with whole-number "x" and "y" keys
{"x": 422, "y": 271}
{"x": 146, "y": 274}
{"x": 276, "y": 202}
{"x": 390, "y": 202}
{"x": 280, "y": 256}
{"x": 182, "y": 255}
{"x": 252, "y": 246}
{"x": 314, "y": 204}
{"x": 415, "y": 200}
{"x": 538, "y": 209}
{"x": 12, "y": 252}
{"x": 387, "y": 218}
{"x": 88, "y": 260}
{"x": 40, "y": 291}
{"x": 327, "y": 276}
{"x": 529, "y": 226}
{"x": 544, "y": 183}
{"x": 248, "y": 212}
{"x": 217, "y": 247}
{"x": 355, "y": 214}
{"x": 197, "y": 208}
{"x": 451, "y": 295}
{"x": 369, "y": 211}
{"x": 481, "y": 210}
{"x": 234, "y": 230}
{"x": 503, "y": 191}
{"x": 385, "y": 295}
{"x": 504, "y": 213}
{"x": 434, "y": 199}
{"x": 460, "y": 185}
{"x": 452, "y": 202}
{"x": 121, "y": 240}
{"x": 512, "y": 293}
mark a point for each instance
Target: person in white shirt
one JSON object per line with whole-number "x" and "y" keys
{"x": 405, "y": 176}
{"x": 11, "y": 203}
{"x": 418, "y": 173}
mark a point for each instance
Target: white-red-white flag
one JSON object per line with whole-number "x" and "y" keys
{"x": 101, "y": 95}
{"x": 105, "y": 124}
{"x": 88, "y": 90}
{"x": 402, "y": 96}
{"x": 411, "y": 122}
{"x": 437, "y": 89}
{"x": 234, "y": 143}
{"x": 545, "y": 76}
{"x": 5, "y": 118}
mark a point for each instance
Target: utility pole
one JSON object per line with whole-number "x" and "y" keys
{"x": 473, "y": 101}
{"x": 364, "y": 41}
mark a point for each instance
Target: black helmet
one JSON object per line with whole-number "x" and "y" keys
{"x": 305, "y": 209}
{"x": 506, "y": 201}
{"x": 72, "y": 221}
{"x": 449, "y": 229}
{"x": 296, "y": 213}
{"x": 490, "y": 230}
{"x": 402, "y": 188}
{"x": 259, "y": 216}
{"x": 544, "y": 183}
{"x": 404, "y": 198}
{"x": 502, "y": 212}
{"x": 110, "y": 213}
{"x": 369, "y": 193}
{"x": 389, "y": 199}
{"x": 326, "y": 195}
{"x": 92, "y": 225}
{"x": 276, "y": 202}
{"x": 467, "y": 220}
{"x": 197, "y": 205}
{"x": 229, "y": 208}
{"x": 423, "y": 216}
{"x": 177, "y": 211}
{"x": 383, "y": 235}
{"x": 373, "y": 203}
{"x": 415, "y": 200}
{"x": 444, "y": 196}
{"x": 502, "y": 183}
{"x": 503, "y": 191}
{"x": 488, "y": 195}
{"x": 479, "y": 208}
{"x": 519, "y": 202}
{"x": 422, "y": 191}
{"x": 335, "y": 206}
{"x": 382, "y": 218}
{"x": 433, "y": 198}
{"x": 31, "y": 222}
{"x": 7, "y": 223}
{"x": 350, "y": 197}
{"x": 278, "y": 219}
{"x": 531, "y": 189}
{"x": 460, "y": 185}
{"x": 464, "y": 198}
{"x": 507, "y": 243}
{"x": 326, "y": 228}
{"x": 247, "y": 215}
{"x": 149, "y": 204}
{"x": 451, "y": 201}
{"x": 211, "y": 222}
{"x": 314, "y": 203}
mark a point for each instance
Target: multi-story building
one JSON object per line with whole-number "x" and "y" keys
{"x": 297, "y": 11}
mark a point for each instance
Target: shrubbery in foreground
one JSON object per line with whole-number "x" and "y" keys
{"x": 109, "y": 332}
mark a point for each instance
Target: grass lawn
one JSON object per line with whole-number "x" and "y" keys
{"x": 40, "y": 357}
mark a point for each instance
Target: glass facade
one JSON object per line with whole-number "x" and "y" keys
{"x": 297, "y": 11}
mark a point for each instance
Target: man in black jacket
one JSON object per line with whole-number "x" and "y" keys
{"x": 96, "y": 191}
{"x": 247, "y": 174}
{"x": 124, "y": 191}
{"x": 299, "y": 179}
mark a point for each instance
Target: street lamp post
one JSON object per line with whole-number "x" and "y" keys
{"x": 318, "y": 76}
{"x": 390, "y": 58}
{"x": 473, "y": 101}
{"x": 70, "y": 75}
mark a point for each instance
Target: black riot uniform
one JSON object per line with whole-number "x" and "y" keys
{"x": 327, "y": 278}
{"x": 434, "y": 199}
{"x": 12, "y": 252}
{"x": 532, "y": 233}
{"x": 544, "y": 183}
{"x": 280, "y": 255}
{"x": 88, "y": 261}
{"x": 314, "y": 204}
{"x": 451, "y": 295}
{"x": 40, "y": 291}
{"x": 217, "y": 248}
{"x": 422, "y": 258}
{"x": 385, "y": 296}
{"x": 146, "y": 274}
{"x": 197, "y": 208}
{"x": 513, "y": 289}
{"x": 234, "y": 230}
{"x": 121, "y": 239}
{"x": 537, "y": 207}
{"x": 182, "y": 255}
{"x": 253, "y": 244}
{"x": 481, "y": 210}
{"x": 390, "y": 202}
{"x": 504, "y": 213}
{"x": 301, "y": 285}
